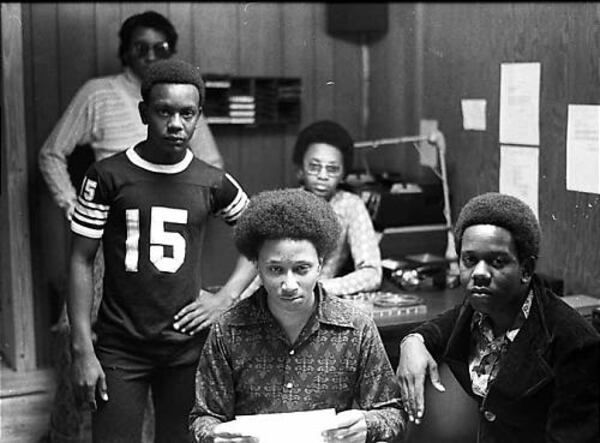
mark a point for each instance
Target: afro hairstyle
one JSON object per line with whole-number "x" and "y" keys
{"x": 507, "y": 212}
{"x": 324, "y": 131}
{"x": 172, "y": 71}
{"x": 148, "y": 19}
{"x": 286, "y": 214}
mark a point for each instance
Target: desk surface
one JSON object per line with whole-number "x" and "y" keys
{"x": 434, "y": 302}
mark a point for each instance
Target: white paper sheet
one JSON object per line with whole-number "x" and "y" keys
{"x": 289, "y": 427}
{"x": 583, "y": 148}
{"x": 473, "y": 112}
{"x": 519, "y": 173}
{"x": 519, "y": 103}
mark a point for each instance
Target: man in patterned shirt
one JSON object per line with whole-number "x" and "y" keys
{"x": 149, "y": 205}
{"x": 529, "y": 360}
{"x": 291, "y": 346}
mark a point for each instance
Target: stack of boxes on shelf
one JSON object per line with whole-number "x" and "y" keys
{"x": 242, "y": 109}
{"x": 252, "y": 100}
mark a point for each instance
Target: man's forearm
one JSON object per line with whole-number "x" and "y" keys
{"x": 242, "y": 275}
{"x": 385, "y": 424}
{"x": 79, "y": 305}
{"x": 53, "y": 166}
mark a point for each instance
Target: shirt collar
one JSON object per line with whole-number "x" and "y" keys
{"x": 482, "y": 321}
{"x": 174, "y": 168}
{"x": 254, "y": 310}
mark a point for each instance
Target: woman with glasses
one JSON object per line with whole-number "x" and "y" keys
{"x": 104, "y": 112}
{"x": 104, "y": 115}
{"x": 323, "y": 155}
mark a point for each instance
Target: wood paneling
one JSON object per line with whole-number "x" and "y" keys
{"x": 464, "y": 47}
{"x": 16, "y": 297}
{"x": 69, "y": 43}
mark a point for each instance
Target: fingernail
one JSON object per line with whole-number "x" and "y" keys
{"x": 105, "y": 396}
{"x": 176, "y": 326}
{"x": 410, "y": 417}
{"x": 417, "y": 421}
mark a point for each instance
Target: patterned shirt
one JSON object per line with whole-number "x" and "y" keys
{"x": 248, "y": 366}
{"x": 487, "y": 351}
{"x": 104, "y": 114}
{"x": 358, "y": 240}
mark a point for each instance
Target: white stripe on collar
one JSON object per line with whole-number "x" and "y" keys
{"x": 155, "y": 167}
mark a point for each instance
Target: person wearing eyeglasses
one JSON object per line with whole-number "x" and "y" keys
{"x": 104, "y": 115}
{"x": 323, "y": 155}
{"x": 104, "y": 112}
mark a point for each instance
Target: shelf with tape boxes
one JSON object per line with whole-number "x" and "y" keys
{"x": 252, "y": 101}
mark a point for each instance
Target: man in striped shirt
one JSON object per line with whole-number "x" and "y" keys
{"x": 149, "y": 205}
{"x": 103, "y": 113}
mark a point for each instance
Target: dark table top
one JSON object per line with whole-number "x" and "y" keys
{"x": 435, "y": 301}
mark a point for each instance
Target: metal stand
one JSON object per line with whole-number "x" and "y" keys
{"x": 436, "y": 139}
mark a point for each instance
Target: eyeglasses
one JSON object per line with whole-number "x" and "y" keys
{"x": 332, "y": 171}
{"x": 161, "y": 49}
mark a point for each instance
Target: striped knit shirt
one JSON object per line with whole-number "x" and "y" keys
{"x": 104, "y": 114}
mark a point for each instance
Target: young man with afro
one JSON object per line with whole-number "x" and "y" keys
{"x": 529, "y": 360}
{"x": 291, "y": 346}
{"x": 149, "y": 205}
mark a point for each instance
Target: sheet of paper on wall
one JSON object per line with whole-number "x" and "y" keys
{"x": 519, "y": 103}
{"x": 519, "y": 173}
{"x": 473, "y": 112}
{"x": 289, "y": 427}
{"x": 428, "y": 155}
{"x": 583, "y": 148}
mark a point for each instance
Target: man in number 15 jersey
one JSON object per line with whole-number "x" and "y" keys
{"x": 149, "y": 205}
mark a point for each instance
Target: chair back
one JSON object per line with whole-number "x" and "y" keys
{"x": 450, "y": 417}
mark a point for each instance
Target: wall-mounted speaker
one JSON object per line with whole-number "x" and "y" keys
{"x": 348, "y": 18}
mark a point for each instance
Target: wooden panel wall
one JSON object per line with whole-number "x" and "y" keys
{"x": 16, "y": 295}
{"x": 463, "y": 49}
{"x": 67, "y": 43}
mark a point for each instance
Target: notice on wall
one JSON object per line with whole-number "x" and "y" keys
{"x": 583, "y": 148}
{"x": 519, "y": 173}
{"x": 519, "y": 103}
{"x": 473, "y": 113}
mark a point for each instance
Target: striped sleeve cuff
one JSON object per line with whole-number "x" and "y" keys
{"x": 89, "y": 218}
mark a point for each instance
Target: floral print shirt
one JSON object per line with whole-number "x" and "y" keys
{"x": 248, "y": 366}
{"x": 487, "y": 350}
{"x": 358, "y": 241}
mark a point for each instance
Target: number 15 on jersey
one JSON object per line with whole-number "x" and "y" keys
{"x": 160, "y": 239}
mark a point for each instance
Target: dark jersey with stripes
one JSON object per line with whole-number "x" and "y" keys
{"x": 151, "y": 220}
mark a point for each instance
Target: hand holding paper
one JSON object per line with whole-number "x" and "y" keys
{"x": 221, "y": 436}
{"x": 350, "y": 427}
